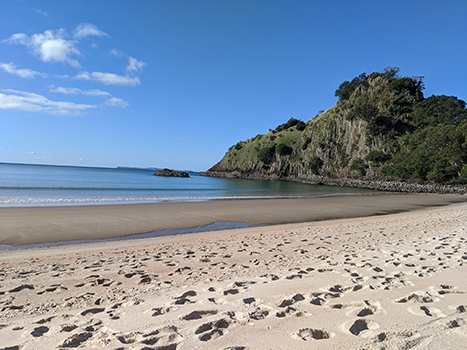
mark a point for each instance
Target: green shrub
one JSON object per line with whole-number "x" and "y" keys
{"x": 366, "y": 112}
{"x": 284, "y": 150}
{"x": 377, "y": 157}
{"x": 359, "y": 166}
{"x": 290, "y": 123}
{"x": 265, "y": 155}
{"x": 301, "y": 125}
{"x": 315, "y": 165}
{"x": 439, "y": 110}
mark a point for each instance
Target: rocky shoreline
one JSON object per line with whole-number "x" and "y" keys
{"x": 378, "y": 185}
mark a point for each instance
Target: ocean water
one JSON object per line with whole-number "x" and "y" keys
{"x": 45, "y": 185}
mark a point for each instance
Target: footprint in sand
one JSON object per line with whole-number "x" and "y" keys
{"x": 212, "y": 330}
{"x": 362, "y": 325}
{"x": 68, "y": 327}
{"x": 318, "y": 301}
{"x": 165, "y": 338}
{"x": 39, "y": 331}
{"x": 417, "y": 298}
{"x": 291, "y": 301}
{"x": 425, "y": 311}
{"x": 232, "y": 291}
{"x": 76, "y": 340}
{"x": 312, "y": 334}
{"x": 291, "y": 312}
{"x": 182, "y": 299}
{"x": 367, "y": 311}
{"x": 93, "y": 311}
{"x": 21, "y": 287}
{"x": 387, "y": 336}
{"x": 52, "y": 288}
{"x": 258, "y": 314}
{"x": 249, "y": 300}
{"x": 161, "y": 310}
{"x": 45, "y": 320}
{"x": 196, "y": 315}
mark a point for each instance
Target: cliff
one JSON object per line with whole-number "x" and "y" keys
{"x": 374, "y": 137}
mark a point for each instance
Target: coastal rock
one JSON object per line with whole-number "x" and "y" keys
{"x": 171, "y": 173}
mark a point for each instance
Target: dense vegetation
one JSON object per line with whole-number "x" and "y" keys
{"x": 427, "y": 136}
{"x": 381, "y": 126}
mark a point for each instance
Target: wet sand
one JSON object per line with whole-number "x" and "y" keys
{"x": 28, "y": 225}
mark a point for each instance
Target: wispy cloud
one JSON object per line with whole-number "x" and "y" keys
{"x": 50, "y": 46}
{"x": 87, "y": 29}
{"x": 30, "y": 102}
{"x": 111, "y": 101}
{"x": 116, "y": 102}
{"x": 109, "y": 78}
{"x": 25, "y": 73}
{"x": 41, "y": 12}
{"x": 76, "y": 91}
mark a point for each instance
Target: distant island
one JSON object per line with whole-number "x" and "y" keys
{"x": 151, "y": 168}
{"x": 171, "y": 173}
{"x": 382, "y": 134}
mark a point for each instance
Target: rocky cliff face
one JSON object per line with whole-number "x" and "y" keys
{"x": 346, "y": 145}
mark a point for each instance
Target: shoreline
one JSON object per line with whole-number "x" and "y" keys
{"x": 34, "y": 225}
{"x": 384, "y": 185}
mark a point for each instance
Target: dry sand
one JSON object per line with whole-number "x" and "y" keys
{"x": 382, "y": 282}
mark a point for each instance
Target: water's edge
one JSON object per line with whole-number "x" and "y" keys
{"x": 207, "y": 228}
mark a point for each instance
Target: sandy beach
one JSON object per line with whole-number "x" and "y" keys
{"x": 28, "y": 225}
{"x": 354, "y": 281}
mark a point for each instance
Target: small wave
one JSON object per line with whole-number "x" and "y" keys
{"x": 83, "y": 201}
{"x": 135, "y": 199}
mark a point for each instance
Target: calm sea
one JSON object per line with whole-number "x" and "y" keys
{"x": 43, "y": 185}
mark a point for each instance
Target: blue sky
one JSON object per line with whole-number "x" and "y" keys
{"x": 171, "y": 83}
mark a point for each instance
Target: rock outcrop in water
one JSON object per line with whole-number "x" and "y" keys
{"x": 382, "y": 134}
{"x": 171, "y": 173}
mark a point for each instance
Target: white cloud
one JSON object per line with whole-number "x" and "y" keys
{"x": 134, "y": 65}
{"x": 88, "y": 29}
{"x": 109, "y": 78}
{"x": 76, "y": 91}
{"x": 83, "y": 76}
{"x": 96, "y": 92}
{"x": 33, "y": 153}
{"x": 41, "y": 12}
{"x": 116, "y": 102}
{"x": 116, "y": 52}
{"x": 51, "y": 46}
{"x": 115, "y": 79}
{"x": 64, "y": 90}
{"x": 19, "y": 38}
{"x": 25, "y": 73}
{"x": 30, "y": 102}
